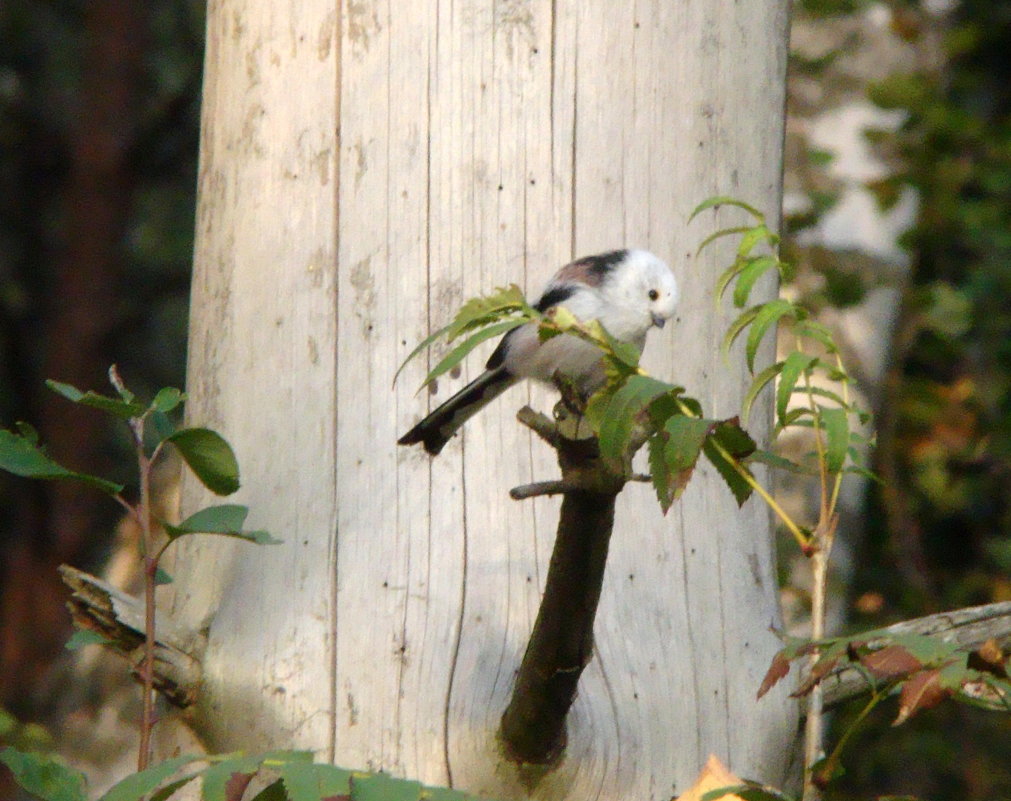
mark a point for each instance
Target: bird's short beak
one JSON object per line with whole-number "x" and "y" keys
{"x": 659, "y": 321}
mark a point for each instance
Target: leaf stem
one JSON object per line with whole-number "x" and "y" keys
{"x": 143, "y": 512}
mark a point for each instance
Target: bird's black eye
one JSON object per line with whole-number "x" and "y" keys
{"x": 653, "y": 294}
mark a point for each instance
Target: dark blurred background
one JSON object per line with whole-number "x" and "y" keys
{"x": 99, "y": 112}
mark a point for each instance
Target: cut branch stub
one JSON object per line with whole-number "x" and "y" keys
{"x": 561, "y": 644}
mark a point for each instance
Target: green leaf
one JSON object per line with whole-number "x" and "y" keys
{"x": 620, "y": 415}
{"x": 82, "y": 637}
{"x": 837, "y": 437}
{"x": 625, "y": 352}
{"x": 819, "y": 332}
{"x": 487, "y": 309}
{"x": 167, "y": 399}
{"x": 744, "y": 319}
{"x": 754, "y": 269}
{"x": 673, "y": 464}
{"x": 425, "y": 343}
{"x": 210, "y": 457}
{"x": 19, "y": 455}
{"x": 745, "y": 792}
{"x": 739, "y": 445}
{"x": 27, "y": 432}
{"x": 219, "y": 779}
{"x": 272, "y": 792}
{"x": 758, "y": 383}
{"x": 740, "y": 229}
{"x": 168, "y": 790}
{"x": 754, "y": 235}
{"x": 767, "y": 316}
{"x": 116, "y": 406}
{"x": 137, "y": 785}
{"x": 225, "y": 520}
{"x": 780, "y": 463}
{"x": 160, "y": 425}
{"x": 161, "y": 578}
{"x": 43, "y": 776}
{"x": 455, "y": 356}
{"x": 723, "y": 200}
{"x": 311, "y": 782}
{"x": 380, "y": 787}
{"x": 795, "y": 365}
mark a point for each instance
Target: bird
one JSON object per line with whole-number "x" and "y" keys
{"x": 627, "y": 291}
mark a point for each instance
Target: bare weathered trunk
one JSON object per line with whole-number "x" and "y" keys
{"x": 364, "y": 169}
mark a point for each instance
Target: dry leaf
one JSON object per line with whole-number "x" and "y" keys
{"x": 778, "y": 669}
{"x": 922, "y": 691}
{"x": 714, "y": 775}
{"x": 890, "y": 662}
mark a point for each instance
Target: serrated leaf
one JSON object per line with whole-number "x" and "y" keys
{"x": 311, "y": 782}
{"x": 768, "y": 315}
{"x": 758, "y": 383}
{"x": 739, "y": 229}
{"x": 457, "y": 354}
{"x": 137, "y": 785}
{"x": 754, "y": 235}
{"x": 167, "y": 399}
{"x": 794, "y": 366}
{"x": 754, "y": 269}
{"x": 20, "y": 456}
{"x": 734, "y": 481}
{"x": 225, "y": 520}
{"x": 82, "y": 637}
{"x": 819, "y": 332}
{"x": 837, "y": 437}
{"x": 674, "y": 454}
{"x": 116, "y": 406}
{"x": 43, "y": 776}
{"x": 619, "y": 418}
{"x": 485, "y": 309}
{"x": 425, "y": 343}
{"x": 735, "y": 439}
{"x": 210, "y": 457}
{"x": 724, "y": 200}
{"x": 742, "y": 321}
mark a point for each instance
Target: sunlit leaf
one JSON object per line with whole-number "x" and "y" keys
{"x": 620, "y": 416}
{"x": 768, "y": 315}
{"x": 723, "y": 200}
{"x": 794, "y": 366}
{"x": 743, "y": 320}
{"x": 723, "y": 232}
{"x": 758, "y": 383}
{"x": 754, "y": 269}
{"x": 455, "y": 356}
{"x": 311, "y": 782}
{"x": 210, "y": 457}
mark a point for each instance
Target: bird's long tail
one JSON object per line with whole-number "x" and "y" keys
{"x": 439, "y": 427}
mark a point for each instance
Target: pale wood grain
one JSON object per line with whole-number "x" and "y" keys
{"x": 480, "y": 143}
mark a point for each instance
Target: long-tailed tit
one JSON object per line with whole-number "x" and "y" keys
{"x": 626, "y": 291}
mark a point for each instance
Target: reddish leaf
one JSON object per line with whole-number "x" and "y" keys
{"x": 777, "y": 670}
{"x": 236, "y": 786}
{"x": 820, "y": 670}
{"x": 989, "y": 658}
{"x": 923, "y": 691}
{"x": 890, "y": 662}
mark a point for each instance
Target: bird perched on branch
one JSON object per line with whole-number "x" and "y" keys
{"x": 626, "y": 291}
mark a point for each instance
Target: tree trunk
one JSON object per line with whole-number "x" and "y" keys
{"x": 364, "y": 169}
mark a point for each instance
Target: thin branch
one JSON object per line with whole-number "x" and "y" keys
{"x": 539, "y": 488}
